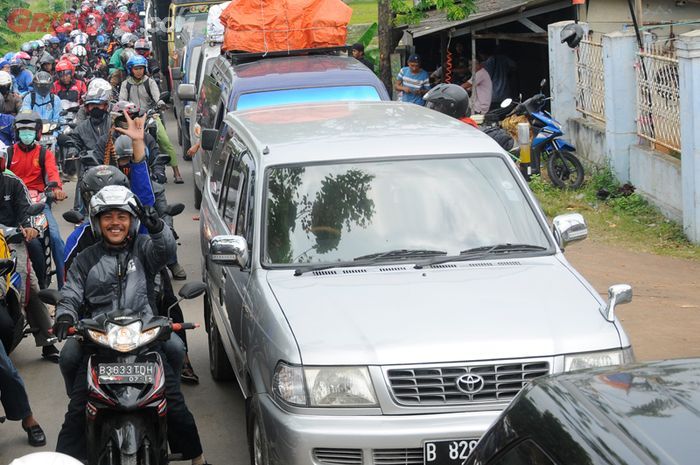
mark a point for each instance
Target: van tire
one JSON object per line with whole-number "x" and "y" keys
{"x": 219, "y": 364}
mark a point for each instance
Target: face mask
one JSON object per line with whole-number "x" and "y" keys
{"x": 98, "y": 114}
{"x": 27, "y": 136}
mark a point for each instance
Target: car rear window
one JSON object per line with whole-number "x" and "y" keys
{"x": 309, "y": 95}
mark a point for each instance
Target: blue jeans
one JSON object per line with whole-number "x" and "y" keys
{"x": 57, "y": 246}
{"x": 13, "y": 395}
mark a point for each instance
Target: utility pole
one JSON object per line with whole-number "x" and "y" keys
{"x": 640, "y": 16}
{"x": 384, "y": 20}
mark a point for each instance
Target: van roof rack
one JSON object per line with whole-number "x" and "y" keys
{"x": 245, "y": 57}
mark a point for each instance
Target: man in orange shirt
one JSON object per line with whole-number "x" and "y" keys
{"x": 36, "y": 167}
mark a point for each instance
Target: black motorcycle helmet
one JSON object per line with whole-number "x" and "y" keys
{"x": 27, "y": 119}
{"x": 572, "y": 34}
{"x": 98, "y": 177}
{"x": 42, "y": 83}
{"x": 117, "y": 112}
{"x": 449, "y": 99}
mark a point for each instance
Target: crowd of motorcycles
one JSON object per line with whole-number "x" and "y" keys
{"x": 92, "y": 52}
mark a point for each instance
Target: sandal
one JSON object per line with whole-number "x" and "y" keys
{"x": 187, "y": 375}
{"x": 179, "y": 180}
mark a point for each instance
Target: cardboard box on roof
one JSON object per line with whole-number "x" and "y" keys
{"x": 260, "y": 26}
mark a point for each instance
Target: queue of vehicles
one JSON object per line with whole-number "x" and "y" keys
{"x": 381, "y": 281}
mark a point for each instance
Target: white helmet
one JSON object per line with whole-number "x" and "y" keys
{"x": 99, "y": 84}
{"x": 74, "y": 33}
{"x": 79, "y": 51}
{"x": 46, "y": 38}
{"x": 45, "y": 458}
{"x": 114, "y": 198}
{"x": 80, "y": 39}
{"x": 5, "y": 79}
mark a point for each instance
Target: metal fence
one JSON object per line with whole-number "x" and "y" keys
{"x": 658, "y": 100}
{"x": 590, "y": 80}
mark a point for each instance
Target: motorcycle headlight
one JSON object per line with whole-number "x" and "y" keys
{"x": 598, "y": 359}
{"x": 124, "y": 338}
{"x": 326, "y": 386}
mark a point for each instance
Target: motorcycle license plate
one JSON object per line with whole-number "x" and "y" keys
{"x": 126, "y": 373}
{"x": 452, "y": 452}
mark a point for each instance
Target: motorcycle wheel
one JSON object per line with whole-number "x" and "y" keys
{"x": 565, "y": 170}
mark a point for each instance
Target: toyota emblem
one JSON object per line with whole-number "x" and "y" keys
{"x": 470, "y": 383}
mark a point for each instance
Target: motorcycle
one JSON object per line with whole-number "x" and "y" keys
{"x": 66, "y": 164}
{"x": 40, "y": 223}
{"x": 563, "y": 167}
{"x": 126, "y": 409}
{"x": 13, "y": 235}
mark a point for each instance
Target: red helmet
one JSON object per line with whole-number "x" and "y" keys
{"x": 64, "y": 65}
{"x": 75, "y": 61}
{"x": 23, "y": 56}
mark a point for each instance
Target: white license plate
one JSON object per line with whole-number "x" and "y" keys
{"x": 450, "y": 452}
{"x": 126, "y": 373}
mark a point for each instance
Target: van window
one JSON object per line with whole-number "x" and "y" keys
{"x": 309, "y": 95}
{"x": 208, "y": 103}
{"x": 221, "y": 152}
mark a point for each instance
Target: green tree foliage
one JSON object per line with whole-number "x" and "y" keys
{"x": 6, "y": 7}
{"x": 455, "y": 10}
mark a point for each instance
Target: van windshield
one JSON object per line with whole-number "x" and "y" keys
{"x": 341, "y": 212}
{"x": 309, "y": 95}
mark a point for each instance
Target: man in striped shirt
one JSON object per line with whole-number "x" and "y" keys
{"x": 413, "y": 82}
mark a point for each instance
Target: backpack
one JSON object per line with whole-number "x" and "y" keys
{"x": 52, "y": 102}
{"x": 42, "y": 161}
{"x": 148, "y": 90}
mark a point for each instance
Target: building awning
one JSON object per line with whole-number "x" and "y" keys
{"x": 490, "y": 13}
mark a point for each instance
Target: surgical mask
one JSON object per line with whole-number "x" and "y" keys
{"x": 27, "y": 136}
{"x": 98, "y": 115}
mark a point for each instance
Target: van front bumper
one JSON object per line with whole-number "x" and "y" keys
{"x": 297, "y": 439}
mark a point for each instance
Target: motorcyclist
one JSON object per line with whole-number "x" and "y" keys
{"x": 143, "y": 91}
{"x": 143, "y": 48}
{"x": 7, "y": 127}
{"x": 14, "y": 213}
{"x": 22, "y": 77}
{"x": 66, "y": 86}
{"x": 127, "y": 41}
{"x": 12, "y": 102}
{"x": 115, "y": 219}
{"x": 27, "y": 165}
{"x": 54, "y": 47}
{"x": 41, "y": 100}
{"x": 83, "y": 70}
{"x": 47, "y": 63}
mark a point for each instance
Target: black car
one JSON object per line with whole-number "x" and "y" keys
{"x": 635, "y": 414}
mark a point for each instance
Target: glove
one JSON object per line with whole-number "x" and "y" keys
{"x": 150, "y": 219}
{"x": 60, "y": 328}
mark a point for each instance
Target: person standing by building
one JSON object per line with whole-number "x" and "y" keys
{"x": 358, "y": 53}
{"x": 481, "y": 88}
{"x": 413, "y": 82}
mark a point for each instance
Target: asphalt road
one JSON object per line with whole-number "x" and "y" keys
{"x": 217, "y": 407}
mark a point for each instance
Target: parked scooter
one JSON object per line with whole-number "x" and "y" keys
{"x": 563, "y": 167}
{"x": 126, "y": 411}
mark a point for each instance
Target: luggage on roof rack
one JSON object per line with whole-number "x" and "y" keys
{"x": 265, "y": 26}
{"x": 239, "y": 57}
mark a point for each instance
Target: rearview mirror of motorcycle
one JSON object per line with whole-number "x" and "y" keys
{"x": 192, "y": 290}
{"x": 50, "y": 296}
{"x": 73, "y": 216}
{"x": 174, "y": 209}
{"x": 7, "y": 266}
{"x": 165, "y": 96}
{"x": 506, "y": 103}
{"x": 36, "y": 208}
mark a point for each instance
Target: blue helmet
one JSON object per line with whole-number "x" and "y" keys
{"x": 54, "y": 40}
{"x": 101, "y": 39}
{"x": 136, "y": 60}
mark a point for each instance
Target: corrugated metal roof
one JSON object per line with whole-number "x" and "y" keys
{"x": 486, "y": 9}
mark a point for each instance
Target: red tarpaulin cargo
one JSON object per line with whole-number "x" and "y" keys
{"x": 280, "y": 25}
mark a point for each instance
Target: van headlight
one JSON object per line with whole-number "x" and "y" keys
{"x": 326, "y": 386}
{"x": 604, "y": 358}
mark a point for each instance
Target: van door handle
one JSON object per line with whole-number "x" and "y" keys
{"x": 223, "y": 276}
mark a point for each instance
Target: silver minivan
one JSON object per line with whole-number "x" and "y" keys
{"x": 382, "y": 283}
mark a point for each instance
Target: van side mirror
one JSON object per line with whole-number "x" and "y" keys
{"x": 229, "y": 251}
{"x": 209, "y": 139}
{"x": 569, "y": 228}
{"x": 187, "y": 92}
{"x": 619, "y": 294}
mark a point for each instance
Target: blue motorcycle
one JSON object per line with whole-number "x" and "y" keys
{"x": 563, "y": 167}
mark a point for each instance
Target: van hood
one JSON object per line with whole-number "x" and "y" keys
{"x": 467, "y": 311}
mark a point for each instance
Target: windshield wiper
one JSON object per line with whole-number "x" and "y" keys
{"x": 373, "y": 258}
{"x": 480, "y": 252}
